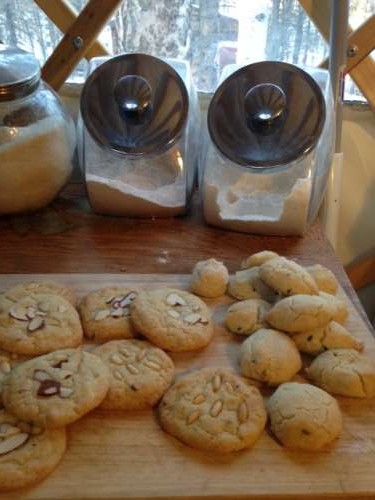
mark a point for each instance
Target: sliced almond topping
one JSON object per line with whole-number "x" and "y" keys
{"x": 8, "y": 430}
{"x": 102, "y": 314}
{"x": 116, "y": 304}
{"x": 31, "y": 313}
{"x": 18, "y": 312}
{"x": 196, "y": 308}
{"x": 216, "y": 382}
{"x": 117, "y": 313}
{"x": 61, "y": 308}
{"x": 108, "y": 301}
{"x": 199, "y": 399}
{"x": 175, "y": 300}
{"x": 44, "y": 306}
{"x": 243, "y": 412}
{"x": 133, "y": 369}
{"x": 229, "y": 387}
{"x": 5, "y": 367}
{"x": 40, "y": 375}
{"x": 128, "y": 299}
{"x": 216, "y": 408}
{"x": 41, "y": 313}
{"x": 35, "y": 324}
{"x": 173, "y": 313}
{"x": 116, "y": 359}
{"x": 48, "y": 388}
{"x": 124, "y": 352}
{"x": 13, "y": 442}
{"x": 66, "y": 392}
{"x": 195, "y": 318}
{"x": 141, "y": 355}
{"x": 193, "y": 417}
{"x": 152, "y": 365}
{"x": 118, "y": 375}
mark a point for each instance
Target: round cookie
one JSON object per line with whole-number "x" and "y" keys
{"x": 257, "y": 259}
{"x": 300, "y": 313}
{"x": 56, "y": 389}
{"x": 209, "y": 278}
{"x": 269, "y": 356}
{"x": 324, "y": 278}
{"x": 46, "y": 287}
{"x": 287, "y": 277}
{"x": 332, "y": 336}
{"x": 213, "y": 409}
{"x": 247, "y": 316}
{"x": 105, "y": 314}
{"x": 27, "y": 453}
{"x": 303, "y": 416}
{"x": 140, "y": 373}
{"x": 247, "y": 284}
{"x": 38, "y": 323}
{"x": 172, "y": 319}
{"x": 345, "y": 372}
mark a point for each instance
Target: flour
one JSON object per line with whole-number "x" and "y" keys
{"x": 35, "y": 163}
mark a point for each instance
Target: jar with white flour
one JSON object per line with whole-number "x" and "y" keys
{"x": 37, "y": 136}
{"x": 267, "y": 150}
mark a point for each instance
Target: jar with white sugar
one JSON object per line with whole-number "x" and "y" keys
{"x": 138, "y": 135}
{"x": 37, "y": 136}
{"x": 267, "y": 149}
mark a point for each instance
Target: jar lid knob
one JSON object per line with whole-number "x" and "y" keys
{"x": 133, "y": 96}
{"x": 265, "y": 107}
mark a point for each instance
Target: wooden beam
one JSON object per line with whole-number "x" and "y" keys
{"x": 77, "y": 41}
{"x": 63, "y": 15}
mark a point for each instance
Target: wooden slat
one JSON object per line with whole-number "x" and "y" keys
{"x": 364, "y": 73}
{"x": 87, "y": 26}
{"x": 364, "y": 39}
{"x": 63, "y": 15}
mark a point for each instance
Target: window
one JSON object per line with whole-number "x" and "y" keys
{"x": 210, "y": 34}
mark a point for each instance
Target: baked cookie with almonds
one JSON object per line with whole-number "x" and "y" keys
{"x": 28, "y": 453}
{"x": 56, "y": 389}
{"x": 105, "y": 314}
{"x": 140, "y": 373}
{"x": 303, "y": 416}
{"x": 247, "y": 316}
{"x": 46, "y": 287}
{"x": 38, "y": 323}
{"x": 287, "y": 277}
{"x": 213, "y": 409}
{"x": 172, "y": 319}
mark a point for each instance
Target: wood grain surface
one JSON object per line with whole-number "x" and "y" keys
{"x": 126, "y": 455}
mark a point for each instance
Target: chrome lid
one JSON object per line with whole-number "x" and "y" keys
{"x": 19, "y": 73}
{"x": 266, "y": 114}
{"x": 135, "y": 104}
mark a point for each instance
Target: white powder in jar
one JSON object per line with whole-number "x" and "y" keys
{"x": 35, "y": 163}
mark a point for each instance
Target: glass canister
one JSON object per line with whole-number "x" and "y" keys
{"x": 268, "y": 148}
{"x": 37, "y": 136}
{"x": 139, "y": 135}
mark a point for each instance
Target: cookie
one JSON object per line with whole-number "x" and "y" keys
{"x": 345, "y": 372}
{"x": 209, "y": 278}
{"x": 324, "y": 278}
{"x": 140, "y": 373}
{"x": 105, "y": 314}
{"x": 341, "y": 309}
{"x": 172, "y": 319}
{"x": 38, "y": 323}
{"x": 269, "y": 356}
{"x": 247, "y": 284}
{"x": 303, "y": 416}
{"x": 332, "y": 336}
{"x": 213, "y": 409}
{"x": 287, "y": 277}
{"x": 257, "y": 259}
{"x": 56, "y": 389}
{"x": 247, "y": 316}
{"x": 27, "y": 453}
{"x": 300, "y": 313}
{"x": 46, "y": 287}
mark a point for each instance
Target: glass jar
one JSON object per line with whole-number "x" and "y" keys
{"x": 138, "y": 135}
{"x": 37, "y": 136}
{"x": 268, "y": 148}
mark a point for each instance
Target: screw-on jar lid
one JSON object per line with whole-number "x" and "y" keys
{"x": 135, "y": 104}
{"x": 19, "y": 73}
{"x": 266, "y": 114}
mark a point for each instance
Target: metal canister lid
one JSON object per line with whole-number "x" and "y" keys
{"x": 266, "y": 114}
{"x": 135, "y": 104}
{"x": 19, "y": 73}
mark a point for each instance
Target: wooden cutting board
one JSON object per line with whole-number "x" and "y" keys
{"x": 127, "y": 455}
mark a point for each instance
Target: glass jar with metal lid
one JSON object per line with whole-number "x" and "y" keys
{"x": 37, "y": 136}
{"x": 267, "y": 149}
{"x": 138, "y": 135}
